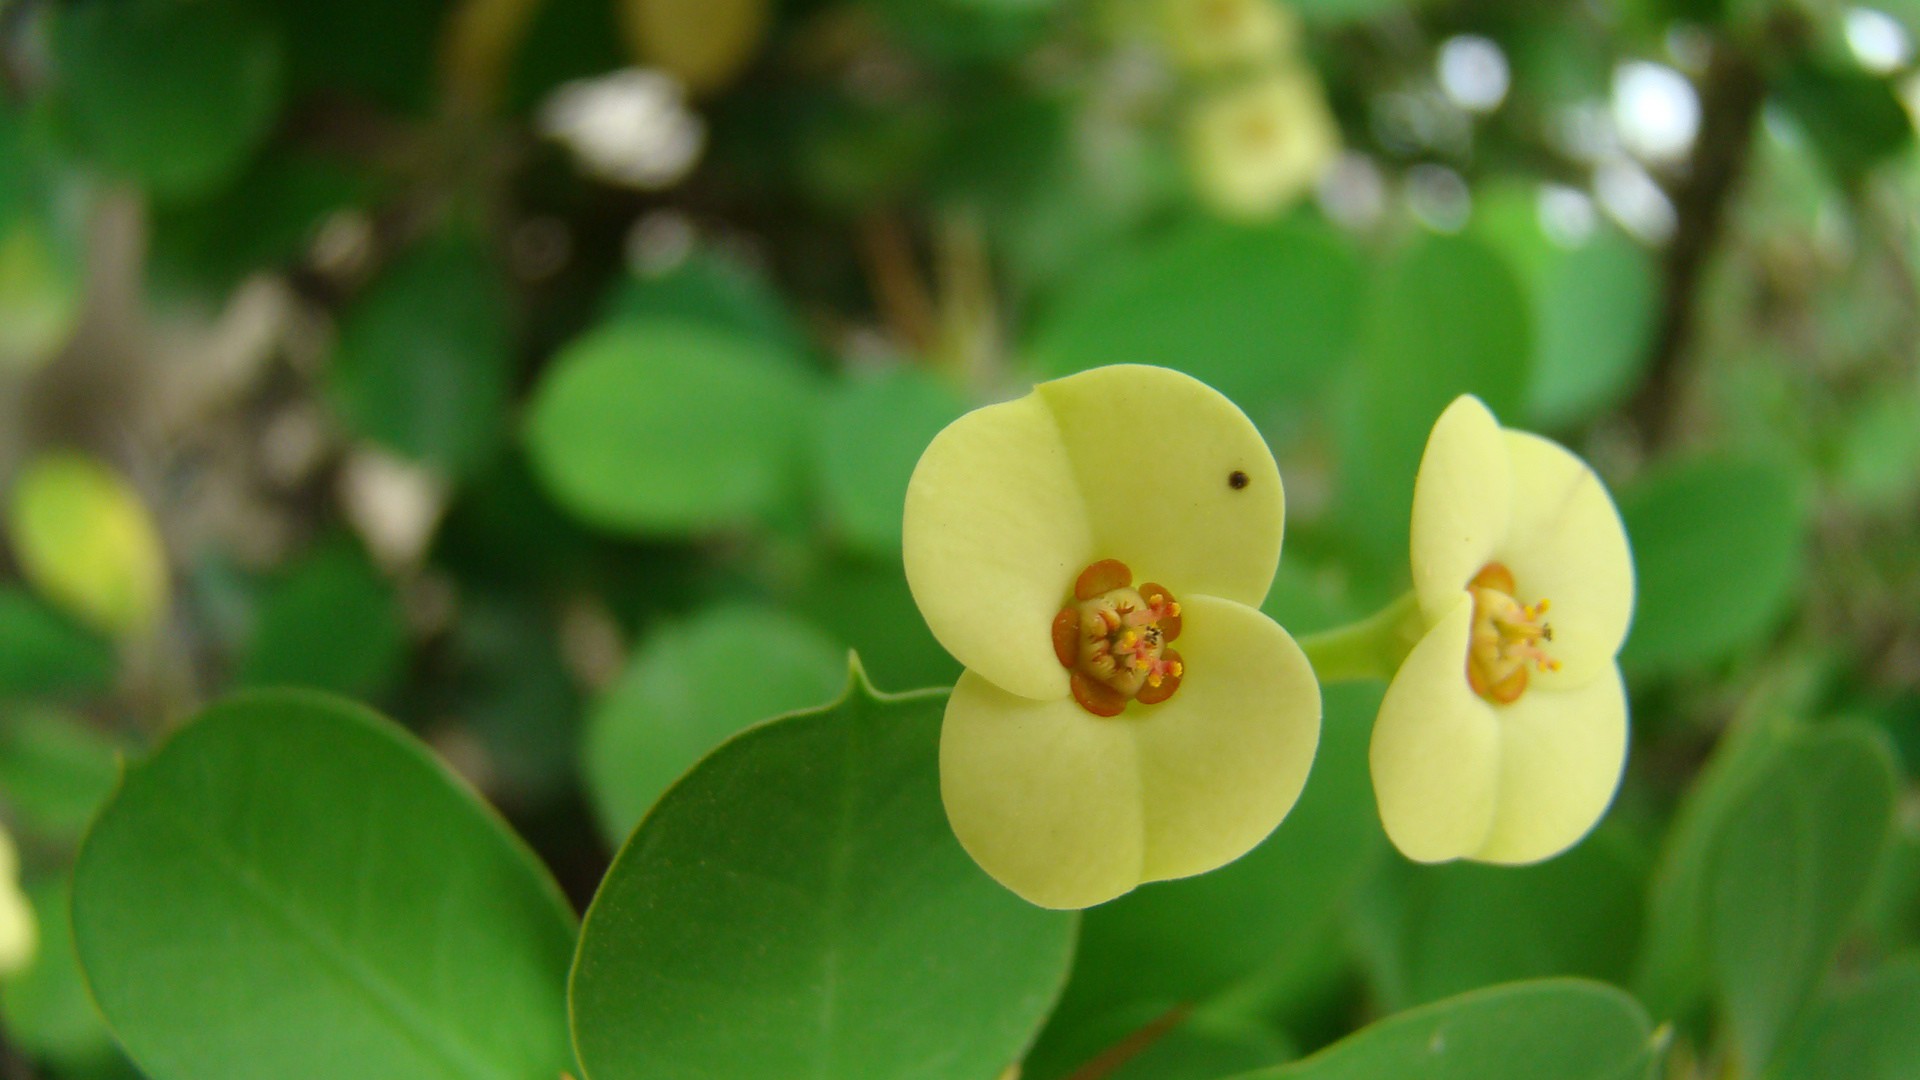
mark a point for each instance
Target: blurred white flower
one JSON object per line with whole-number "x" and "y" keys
{"x": 1656, "y": 111}
{"x": 393, "y": 504}
{"x": 1209, "y": 35}
{"x": 1473, "y": 72}
{"x": 1257, "y": 148}
{"x": 1878, "y": 41}
{"x": 1636, "y": 201}
{"x": 1567, "y": 215}
{"x": 631, "y": 127}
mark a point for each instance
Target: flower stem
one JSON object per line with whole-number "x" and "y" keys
{"x": 1370, "y": 648}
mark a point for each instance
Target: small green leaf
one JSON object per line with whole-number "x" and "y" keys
{"x": 292, "y": 887}
{"x": 172, "y": 93}
{"x": 1716, "y": 546}
{"x": 691, "y": 686}
{"x": 866, "y": 603}
{"x": 797, "y": 906}
{"x": 1260, "y": 314}
{"x": 425, "y": 356}
{"x": 1870, "y": 1032}
{"x": 41, "y": 652}
{"x": 656, "y": 426}
{"x": 1855, "y": 120}
{"x": 1451, "y": 318}
{"x": 712, "y": 290}
{"x": 54, "y": 772}
{"x": 869, "y": 436}
{"x": 1789, "y": 875}
{"x": 329, "y": 623}
{"x": 1566, "y": 1029}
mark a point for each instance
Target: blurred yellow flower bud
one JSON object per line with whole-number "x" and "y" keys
{"x": 19, "y": 933}
{"x": 1213, "y": 35}
{"x": 85, "y": 540}
{"x": 1256, "y": 148}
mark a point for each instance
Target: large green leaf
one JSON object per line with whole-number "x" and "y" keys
{"x": 690, "y": 687}
{"x": 425, "y": 357}
{"x": 1257, "y": 313}
{"x": 1716, "y": 547}
{"x": 291, "y": 887}
{"x": 1789, "y": 876}
{"x": 868, "y": 439}
{"x": 656, "y": 426}
{"x": 175, "y": 94}
{"x": 1870, "y": 1032}
{"x": 797, "y": 906}
{"x": 1552, "y": 1029}
{"x": 1450, "y": 319}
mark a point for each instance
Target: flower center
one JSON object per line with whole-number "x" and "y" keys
{"x": 1506, "y": 637}
{"x": 1114, "y": 638}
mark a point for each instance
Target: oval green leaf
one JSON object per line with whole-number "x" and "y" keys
{"x": 1566, "y": 1029}
{"x": 1716, "y": 548}
{"x": 797, "y": 906}
{"x": 425, "y": 356}
{"x": 654, "y": 426}
{"x": 1790, "y": 874}
{"x": 1258, "y": 313}
{"x": 174, "y": 95}
{"x": 330, "y": 623}
{"x": 1870, "y": 1032}
{"x": 292, "y": 887}
{"x": 869, "y": 437}
{"x": 690, "y": 687}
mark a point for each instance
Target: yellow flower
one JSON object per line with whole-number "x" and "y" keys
{"x": 1210, "y": 35}
{"x": 86, "y": 541}
{"x": 1258, "y": 147}
{"x": 1502, "y": 737}
{"x": 19, "y": 934}
{"x": 1094, "y": 553}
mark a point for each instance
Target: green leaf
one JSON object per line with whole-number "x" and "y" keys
{"x": 1855, "y": 120}
{"x": 714, "y": 291}
{"x": 1565, "y": 1029}
{"x": 655, "y": 426}
{"x": 1870, "y": 1032}
{"x": 171, "y": 93}
{"x": 1717, "y": 548}
{"x": 292, "y": 887}
{"x": 1450, "y": 319}
{"x": 868, "y": 438}
{"x": 1198, "y": 938}
{"x": 1789, "y": 876}
{"x": 1436, "y": 931}
{"x": 330, "y": 623}
{"x": 1671, "y": 976}
{"x": 425, "y": 356}
{"x": 266, "y": 221}
{"x": 866, "y": 603}
{"x": 54, "y": 772}
{"x": 692, "y": 685}
{"x": 803, "y": 877}
{"x": 41, "y": 652}
{"x": 41, "y": 272}
{"x": 45, "y": 1005}
{"x": 1260, "y": 314}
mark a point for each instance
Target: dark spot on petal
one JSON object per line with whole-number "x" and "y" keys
{"x": 1236, "y": 480}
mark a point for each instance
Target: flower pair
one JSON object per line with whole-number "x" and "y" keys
{"x": 1095, "y": 553}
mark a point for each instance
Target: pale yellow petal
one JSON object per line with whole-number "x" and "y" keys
{"x": 19, "y": 932}
{"x": 1567, "y": 545}
{"x": 1156, "y": 453}
{"x": 1561, "y": 753}
{"x": 994, "y": 534}
{"x": 1462, "y": 501}
{"x": 1436, "y": 749}
{"x": 1045, "y": 796}
{"x": 1223, "y": 760}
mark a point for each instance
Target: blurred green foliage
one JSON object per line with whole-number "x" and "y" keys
{"x": 568, "y": 423}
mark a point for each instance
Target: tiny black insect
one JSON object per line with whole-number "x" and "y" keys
{"x": 1237, "y": 480}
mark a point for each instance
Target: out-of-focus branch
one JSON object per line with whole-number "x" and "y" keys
{"x": 1732, "y": 94}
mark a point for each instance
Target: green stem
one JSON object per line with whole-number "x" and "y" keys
{"x": 1371, "y": 648}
